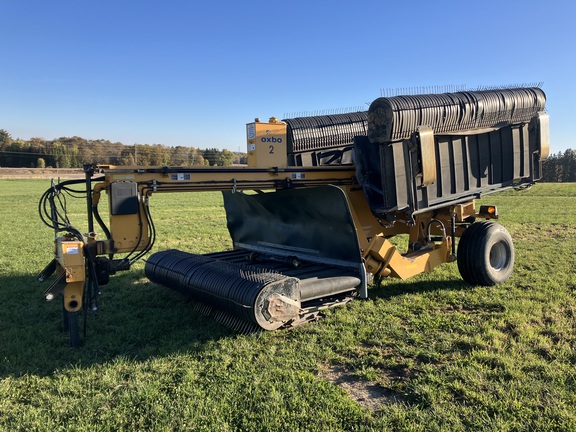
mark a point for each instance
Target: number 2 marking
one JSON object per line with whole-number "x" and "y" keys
{"x": 271, "y": 150}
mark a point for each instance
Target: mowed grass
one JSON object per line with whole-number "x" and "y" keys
{"x": 432, "y": 353}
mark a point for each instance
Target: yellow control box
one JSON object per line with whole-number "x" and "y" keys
{"x": 267, "y": 144}
{"x": 70, "y": 255}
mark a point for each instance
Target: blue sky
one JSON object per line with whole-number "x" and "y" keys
{"x": 193, "y": 73}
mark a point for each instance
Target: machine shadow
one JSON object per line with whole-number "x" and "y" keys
{"x": 136, "y": 320}
{"x": 390, "y": 290}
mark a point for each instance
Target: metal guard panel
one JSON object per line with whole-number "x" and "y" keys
{"x": 312, "y": 223}
{"x": 466, "y": 166}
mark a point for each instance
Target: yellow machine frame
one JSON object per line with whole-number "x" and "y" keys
{"x": 430, "y": 244}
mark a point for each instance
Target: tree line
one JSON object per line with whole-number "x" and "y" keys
{"x": 560, "y": 167}
{"x": 74, "y": 152}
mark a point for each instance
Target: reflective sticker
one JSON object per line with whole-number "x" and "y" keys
{"x": 72, "y": 250}
{"x": 251, "y": 131}
{"x": 180, "y": 177}
{"x": 251, "y": 147}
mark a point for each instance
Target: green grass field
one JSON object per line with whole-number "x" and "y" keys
{"x": 430, "y": 353}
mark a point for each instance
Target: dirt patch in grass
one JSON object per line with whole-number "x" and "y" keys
{"x": 31, "y": 173}
{"x": 529, "y": 231}
{"x": 369, "y": 394}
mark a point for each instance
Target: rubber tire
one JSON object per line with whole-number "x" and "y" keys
{"x": 485, "y": 254}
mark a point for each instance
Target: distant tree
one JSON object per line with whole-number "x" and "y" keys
{"x": 211, "y": 155}
{"x": 179, "y": 156}
{"x": 195, "y": 157}
{"x": 127, "y": 157}
{"x": 73, "y": 152}
{"x": 549, "y": 169}
{"x": 160, "y": 155}
{"x": 560, "y": 167}
{"x": 40, "y": 163}
{"x": 100, "y": 153}
{"x": 16, "y": 154}
{"x": 200, "y": 161}
{"x": 240, "y": 158}
{"x": 225, "y": 158}
{"x": 74, "y": 156}
{"x": 570, "y": 165}
{"x": 61, "y": 155}
{"x": 5, "y": 139}
{"x": 115, "y": 151}
{"x": 85, "y": 154}
{"x": 142, "y": 156}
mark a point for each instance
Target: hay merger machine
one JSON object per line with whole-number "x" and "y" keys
{"x": 312, "y": 213}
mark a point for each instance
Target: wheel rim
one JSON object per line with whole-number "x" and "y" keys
{"x": 499, "y": 256}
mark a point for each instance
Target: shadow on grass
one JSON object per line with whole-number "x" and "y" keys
{"x": 393, "y": 288}
{"x": 136, "y": 320}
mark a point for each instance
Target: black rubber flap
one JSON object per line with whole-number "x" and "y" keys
{"x": 312, "y": 223}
